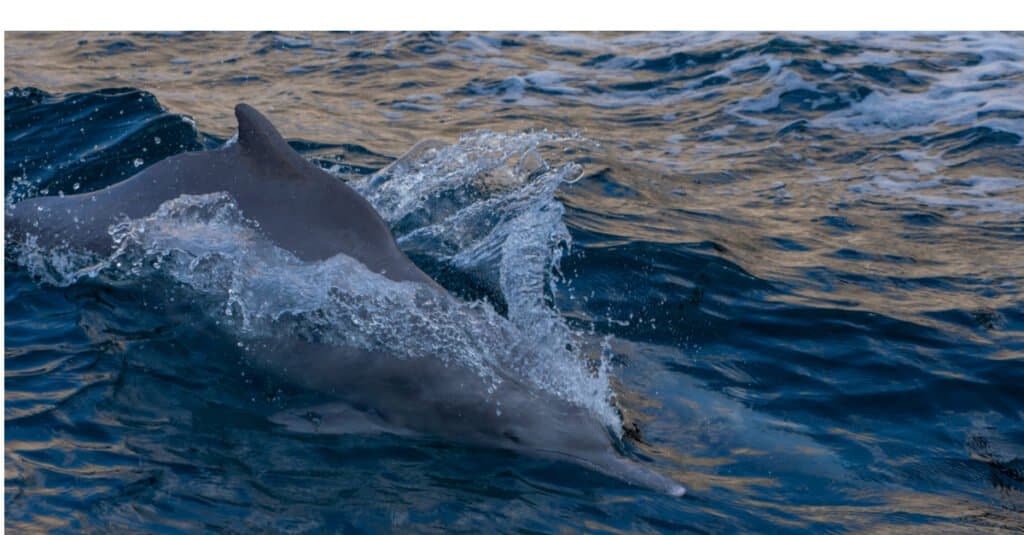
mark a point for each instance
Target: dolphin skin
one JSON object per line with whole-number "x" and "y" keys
{"x": 315, "y": 216}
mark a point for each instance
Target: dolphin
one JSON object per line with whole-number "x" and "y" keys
{"x": 304, "y": 210}
{"x": 299, "y": 207}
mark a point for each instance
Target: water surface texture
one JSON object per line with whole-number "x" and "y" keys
{"x": 793, "y": 261}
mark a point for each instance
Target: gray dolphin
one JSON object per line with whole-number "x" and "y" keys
{"x": 315, "y": 216}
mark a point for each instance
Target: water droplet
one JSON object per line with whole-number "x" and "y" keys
{"x": 137, "y": 162}
{"x": 156, "y": 140}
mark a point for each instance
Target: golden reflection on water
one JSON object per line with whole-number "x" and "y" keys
{"x": 945, "y": 514}
{"x": 740, "y": 193}
{"x": 205, "y": 76}
{"x": 372, "y": 89}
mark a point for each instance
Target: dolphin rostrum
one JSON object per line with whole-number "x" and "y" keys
{"x": 315, "y": 216}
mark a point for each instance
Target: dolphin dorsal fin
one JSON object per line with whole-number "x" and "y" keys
{"x": 258, "y": 135}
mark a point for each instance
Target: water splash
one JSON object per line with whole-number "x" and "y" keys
{"x": 485, "y": 208}
{"x": 501, "y": 225}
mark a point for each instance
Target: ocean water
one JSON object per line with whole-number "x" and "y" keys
{"x": 794, "y": 261}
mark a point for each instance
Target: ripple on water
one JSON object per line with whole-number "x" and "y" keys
{"x": 795, "y": 254}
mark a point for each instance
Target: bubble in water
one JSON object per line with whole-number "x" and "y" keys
{"x": 137, "y": 162}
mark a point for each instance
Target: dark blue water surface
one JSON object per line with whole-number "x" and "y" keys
{"x": 803, "y": 256}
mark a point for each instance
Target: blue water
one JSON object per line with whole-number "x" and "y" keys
{"x": 799, "y": 256}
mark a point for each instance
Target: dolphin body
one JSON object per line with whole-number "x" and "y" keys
{"x": 315, "y": 216}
